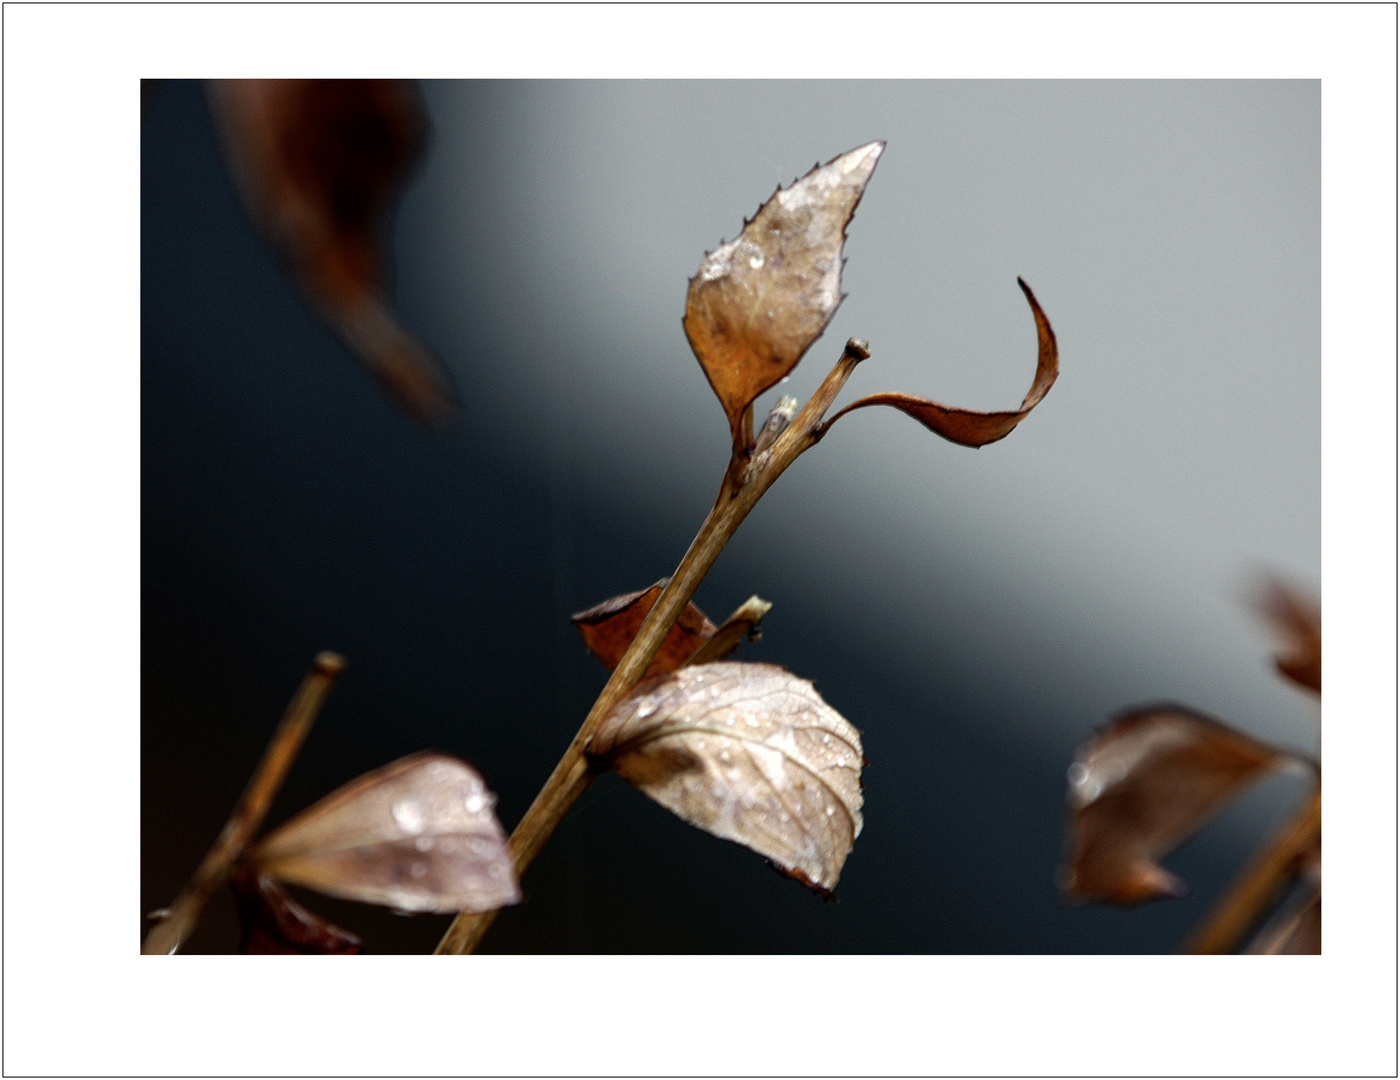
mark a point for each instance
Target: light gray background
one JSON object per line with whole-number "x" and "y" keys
{"x": 1171, "y": 230}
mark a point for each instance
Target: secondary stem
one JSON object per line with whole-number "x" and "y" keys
{"x": 1247, "y": 899}
{"x": 172, "y": 931}
{"x": 745, "y": 481}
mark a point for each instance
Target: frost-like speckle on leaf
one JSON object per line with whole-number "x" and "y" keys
{"x": 747, "y": 752}
{"x": 418, "y": 835}
{"x": 759, "y": 301}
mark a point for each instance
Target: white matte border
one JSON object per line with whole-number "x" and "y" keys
{"x": 77, "y": 997}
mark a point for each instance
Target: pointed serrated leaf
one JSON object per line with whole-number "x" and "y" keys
{"x": 275, "y": 923}
{"x": 419, "y": 834}
{"x": 759, "y": 302}
{"x": 319, "y": 162}
{"x": 747, "y": 752}
{"x": 609, "y": 627}
{"x": 1140, "y": 787}
{"x": 967, "y": 427}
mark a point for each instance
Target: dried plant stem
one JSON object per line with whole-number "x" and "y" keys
{"x": 168, "y": 935}
{"x": 745, "y": 481}
{"x": 1260, "y": 884}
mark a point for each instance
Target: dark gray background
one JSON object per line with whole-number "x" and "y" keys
{"x": 974, "y": 613}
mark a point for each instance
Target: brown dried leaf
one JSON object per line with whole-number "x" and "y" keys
{"x": 275, "y": 923}
{"x": 608, "y": 629}
{"x": 759, "y": 302}
{"x": 747, "y": 752}
{"x": 1298, "y": 622}
{"x": 417, "y": 835}
{"x": 1141, "y": 786}
{"x": 318, "y": 162}
{"x": 965, "y": 426}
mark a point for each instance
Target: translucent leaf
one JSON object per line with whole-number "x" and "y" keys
{"x": 275, "y": 923}
{"x": 747, "y": 752}
{"x": 608, "y": 629}
{"x": 417, "y": 835}
{"x": 965, "y": 426}
{"x": 318, "y": 162}
{"x": 760, "y": 301}
{"x": 1140, "y": 787}
{"x": 1298, "y": 622}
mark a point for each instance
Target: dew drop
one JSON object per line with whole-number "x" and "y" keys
{"x": 408, "y": 816}
{"x": 1078, "y": 773}
{"x": 477, "y": 802}
{"x": 424, "y": 843}
{"x": 756, "y": 261}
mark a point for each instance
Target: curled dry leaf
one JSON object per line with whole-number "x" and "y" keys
{"x": 1140, "y": 787}
{"x": 608, "y": 629}
{"x": 747, "y": 752}
{"x": 275, "y": 923}
{"x": 419, "y": 834}
{"x": 1298, "y": 622}
{"x": 759, "y": 302}
{"x": 318, "y": 162}
{"x": 965, "y": 426}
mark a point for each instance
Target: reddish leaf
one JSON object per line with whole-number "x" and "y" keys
{"x": 1298, "y": 621}
{"x": 747, "y": 752}
{"x": 964, "y": 426}
{"x": 608, "y": 629}
{"x": 759, "y": 302}
{"x": 275, "y": 923}
{"x": 417, "y": 835}
{"x": 1141, "y": 786}
{"x": 318, "y": 162}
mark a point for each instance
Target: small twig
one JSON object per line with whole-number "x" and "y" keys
{"x": 183, "y": 914}
{"x": 745, "y": 481}
{"x": 1259, "y": 885}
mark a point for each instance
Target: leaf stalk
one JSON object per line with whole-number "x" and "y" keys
{"x": 746, "y": 479}
{"x": 174, "y": 929}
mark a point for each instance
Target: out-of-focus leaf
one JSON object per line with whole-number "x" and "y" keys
{"x": 275, "y": 923}
{"x": 318, "y": 162}
{"x": 965, "y": 426}
{"x": 1141, "y": 786}
{"x": 760, "y": 301}
{"x": 608, "y": 629}
{"x": 419, "y": 834}
{"x": 1298, "y": 621}
{"x": 747, "y": 752}
{"x": 1298, "y": 932}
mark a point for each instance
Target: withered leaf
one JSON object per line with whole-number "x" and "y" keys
{"x": 759, "y": 302}
{"x": 418, "y": 835}
{"x": 1298, "y": 622}
{"x": 966, "y": 426}
{"x": 747, "y": 752}
{"x": 318, "y": 162}
{"x": 1142, "y": 785}
{"x": 275, "y": 923}
{"x": 608, "y": 629}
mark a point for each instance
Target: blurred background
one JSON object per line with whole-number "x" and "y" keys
{"x": 974, "y": 612}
